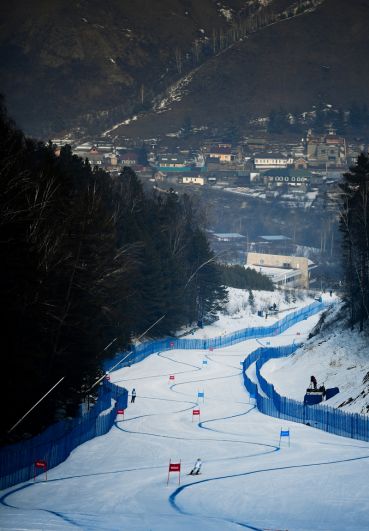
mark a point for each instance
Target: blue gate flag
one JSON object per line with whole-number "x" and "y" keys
{"x": 204, "y": 362}
{"x": 285, "y": 433}
{"x": 200, "y": 394}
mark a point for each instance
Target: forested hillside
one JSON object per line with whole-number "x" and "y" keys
{"x": 291, "y": 65}
{"x": 91, "y": 62}
{"x": 354, "y": 224}
{"x": 88, "y": 264}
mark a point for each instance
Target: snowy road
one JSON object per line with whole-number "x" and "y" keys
{"x": 119, "y": 481}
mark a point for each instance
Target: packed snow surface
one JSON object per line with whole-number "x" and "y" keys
{"x": 119, "y": 481}
{"x": 337, "y": 357}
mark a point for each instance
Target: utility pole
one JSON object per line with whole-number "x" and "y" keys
{"x": 142, "y": 93}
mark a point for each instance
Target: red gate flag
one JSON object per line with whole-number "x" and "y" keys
{"x": 174, "y": 467}
{"x": 40, "y": 463}
{"x": 120, "y": 412}
{"x": 195, "y": 412}
{"x": 171, "y": 377}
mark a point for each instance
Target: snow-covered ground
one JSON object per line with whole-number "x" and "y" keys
{"x": 119, "y": 481}
{"x": 336, "y": 357}
{"x": 239, "y": 314}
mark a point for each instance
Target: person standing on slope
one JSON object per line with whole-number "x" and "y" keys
{"x": 197, "y": 467}
{"x": 133, "y": 395}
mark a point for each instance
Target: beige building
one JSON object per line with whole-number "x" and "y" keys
{"x": 270, "y": 160}
{"x": 194, "y": 180}
{"x": 289, "y": 271}
{"x": 327, "y": 150}
{"x": 222, "y": 153}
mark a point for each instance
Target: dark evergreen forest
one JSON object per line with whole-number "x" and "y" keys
{"x": 350, "y": 121}
{"x": 239, "y": 277}
{"x": 354, "y": 225}
{"x": 88, "y": 264}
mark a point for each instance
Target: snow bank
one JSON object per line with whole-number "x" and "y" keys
{"x": 337, "y": 357}
{"x": 239, "y": 314}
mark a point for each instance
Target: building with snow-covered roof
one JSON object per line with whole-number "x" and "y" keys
{"x": 172, "y": 162}
{"x": 228, "y": 236}
{"x": 264, "y": 161}
{"x": 277, "y": 177}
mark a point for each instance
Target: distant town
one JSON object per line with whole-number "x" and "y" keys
{"x": 301, "y": 176}
{"x": 292, "y": 172}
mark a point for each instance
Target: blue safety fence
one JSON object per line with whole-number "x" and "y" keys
{"x": 141, "y": 352}
{"x": 319, "y": 416}
{"x": 56, "y": 443}
{"x": 17, "y": 462}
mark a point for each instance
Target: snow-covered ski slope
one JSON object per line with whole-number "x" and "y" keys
{"x": 119, "y": 481}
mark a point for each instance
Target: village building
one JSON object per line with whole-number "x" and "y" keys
{"x": 94, "y": 156}
{"x": 105, "y": 147}
{"x": 85, "y": 147}
{"x": 128, "y": 158}
{"x": 272, "y": 244}
{"x": 228, "y": 236}
{"x": 274, "y": 178}
{"x": 327, "y": 150}
{"x": 283, "y": 270}
{"x": 300, "y": 163}
{"x": 92, "y": 153}
{"x": 111, "y": 159}
{"x": 193, "y": 179}
{"x": 264, "y": 161}
{"x": 255, "y": 143}
{"x": 228, "y": 246}
{"x": 171, "y": 163}
{"x": 221, "y": 152}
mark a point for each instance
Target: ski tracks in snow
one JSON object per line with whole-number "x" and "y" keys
{"x": 218, "y": 429}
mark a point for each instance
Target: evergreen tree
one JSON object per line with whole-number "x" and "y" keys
{"x": 210, "y": 293}
{"x": 186, "y": 126}
{"x": 277, "y": 122}
{"x": 354, "y": 225}
{"x": 251, "y": 301}
{"x": 87, "y": 263}
{"x": 320, "y": 120}
{"x": 236, "y": 276}
{"x": 142, "y": 155}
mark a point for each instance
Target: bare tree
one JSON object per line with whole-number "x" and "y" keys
{"x": 178, "y": 58}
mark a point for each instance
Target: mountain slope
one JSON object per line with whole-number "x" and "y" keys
{"x": 249, "y": 478}
{"x": 293, "y": 64}
{"x": 93, "y": 64}
{"x": 72, "y": 62}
